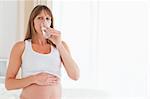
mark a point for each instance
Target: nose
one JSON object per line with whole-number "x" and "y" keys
{"x": 44, "y": 20}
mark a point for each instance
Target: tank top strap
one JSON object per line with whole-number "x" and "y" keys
{"x": 28, "y": 44}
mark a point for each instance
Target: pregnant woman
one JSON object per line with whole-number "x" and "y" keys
{"x": 40, "y": 56}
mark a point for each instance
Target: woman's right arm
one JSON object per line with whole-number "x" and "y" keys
{"x": 13, "y": 67}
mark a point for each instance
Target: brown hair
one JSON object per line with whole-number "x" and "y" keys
{"x": 30, "y": 28}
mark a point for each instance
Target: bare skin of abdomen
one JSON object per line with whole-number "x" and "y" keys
{"x": 41, "y": 92}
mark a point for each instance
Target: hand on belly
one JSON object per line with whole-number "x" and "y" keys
{"x": 45, "y": 86}
{"x": 45, "y": 79}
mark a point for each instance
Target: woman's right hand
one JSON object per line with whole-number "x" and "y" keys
{"x": 45, "y": 79}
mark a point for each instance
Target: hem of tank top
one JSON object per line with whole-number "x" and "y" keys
{"x": 43, "y": 72}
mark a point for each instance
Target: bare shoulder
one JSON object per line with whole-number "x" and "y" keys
{"x": 18, "y": 47}
{"x": 19, "y": 44}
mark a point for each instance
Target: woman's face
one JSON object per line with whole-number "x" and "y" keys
{"x": 40, "y": 19}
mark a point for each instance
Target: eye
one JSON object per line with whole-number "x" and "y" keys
{"x": 47, "y": 18}
{"x": 39, "y": 18}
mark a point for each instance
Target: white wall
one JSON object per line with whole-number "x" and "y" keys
{"x": 8, "y": 26}
{"x": 123, "y": 51}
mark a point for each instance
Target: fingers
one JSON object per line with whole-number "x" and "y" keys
{"x": 47, "y": 79}
{"x": 52, "y": 31}
{"x": 52, "y": 81}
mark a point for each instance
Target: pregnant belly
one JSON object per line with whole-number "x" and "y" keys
{"x": 41, "y": 92}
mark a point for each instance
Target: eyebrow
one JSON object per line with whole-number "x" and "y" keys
{"x": 42, "y": 16}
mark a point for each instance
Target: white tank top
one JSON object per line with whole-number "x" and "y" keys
{"x": 34, "y": 62}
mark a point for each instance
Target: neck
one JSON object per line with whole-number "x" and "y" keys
{"x": 39, "y": 39}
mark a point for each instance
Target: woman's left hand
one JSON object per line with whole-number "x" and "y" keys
{"x": 55, "y": 36}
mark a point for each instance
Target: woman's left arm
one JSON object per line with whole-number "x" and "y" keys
{"x": 68, "y": 62}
